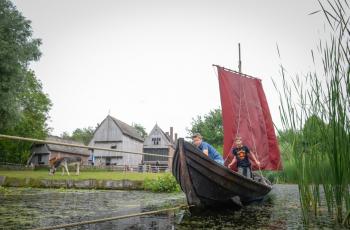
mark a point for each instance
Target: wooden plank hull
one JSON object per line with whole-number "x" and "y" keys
{"x": 207, "y": 183}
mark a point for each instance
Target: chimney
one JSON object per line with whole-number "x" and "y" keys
{"x": 175, "y": 137}
{"x": 172, "y": 134}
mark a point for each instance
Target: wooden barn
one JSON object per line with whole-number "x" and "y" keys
{"x": 159, "y": 142}
{"x": 115, "y": 134}
{"x": 41, "y": 153}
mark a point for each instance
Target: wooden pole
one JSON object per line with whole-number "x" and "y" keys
{"x": 8, "y": 137}
{"x": 239, "y": 58}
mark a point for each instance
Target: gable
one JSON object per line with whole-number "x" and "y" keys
{"x": 107, "y": 131}
{"x": 127, "y": 130}
{"x": 157, "y": 139}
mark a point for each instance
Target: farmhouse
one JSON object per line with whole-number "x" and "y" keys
{"x": 117, "y": 135}
{"x": 41, "y": 153}
{"x": 161, "y": 143}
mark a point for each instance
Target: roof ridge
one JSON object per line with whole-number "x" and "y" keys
{"x": 63, "y": 140}
{"x": 128, "y": 129}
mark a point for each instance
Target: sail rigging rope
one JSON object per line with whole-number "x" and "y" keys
{"x": 215, "y": 68}
{"x": 239, "y": 113}
{"x": 251, "y": 134}
{"x": 240, "y": 105}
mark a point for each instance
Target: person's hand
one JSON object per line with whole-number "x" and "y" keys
{"x": 232, "y": 162}
{"x": 258, "y": 163}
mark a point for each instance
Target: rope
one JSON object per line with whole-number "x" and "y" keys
{"x": 44, "y": 193}
{"x": 78, "y": 146}
{"x": 242, "y": 74}
{"x": 239, "y": 114}
{"x": 240, "y": 103}
{"x": 109, "y": 218}
{"x": 251, "y": 133}
{"x": 215, "y": 68}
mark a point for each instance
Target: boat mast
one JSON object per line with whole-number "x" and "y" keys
{"x": 239, "y": 58}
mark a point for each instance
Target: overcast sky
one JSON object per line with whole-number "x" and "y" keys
{"x": 151, "y": 61}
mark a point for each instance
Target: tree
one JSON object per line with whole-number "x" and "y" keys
{"x": 83, "y": 135}
{"x": 34, "y": 109}
{"x": 140, "y": 129}
{"x": 18, "y": 49}
{"x": 24, "y": 107}
{"x": 210, "y": 127}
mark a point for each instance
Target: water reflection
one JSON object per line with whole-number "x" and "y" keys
{"x": 38, "y": 208}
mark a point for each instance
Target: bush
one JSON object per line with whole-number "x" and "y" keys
{"x": 164, "y": 183}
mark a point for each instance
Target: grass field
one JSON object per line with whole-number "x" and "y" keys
{"x": 99, "y": 175}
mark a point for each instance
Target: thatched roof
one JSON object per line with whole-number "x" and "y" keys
{"x": 127, "y": 130}
{"x": 66, "y": 149}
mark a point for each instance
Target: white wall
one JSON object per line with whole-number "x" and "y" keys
{"x": 109, "y": 131}
{"x": 130, "y": 144}
{"x": 156, "y": 132}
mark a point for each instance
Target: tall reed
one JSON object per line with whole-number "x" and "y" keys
{"x": 316, "y": 109}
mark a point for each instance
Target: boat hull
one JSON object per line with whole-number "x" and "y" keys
{"x": 207, "y": 183}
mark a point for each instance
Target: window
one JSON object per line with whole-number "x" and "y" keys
{"x": 114, "y": 147}
{"x": 108, "y": 161}
{"x": 156, "y": 140}
{"x": 40, "y": 158}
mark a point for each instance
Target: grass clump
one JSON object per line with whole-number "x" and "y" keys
{"x": 164, "y": 183}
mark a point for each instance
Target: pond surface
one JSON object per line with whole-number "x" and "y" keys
{"x": 34, "y": 208}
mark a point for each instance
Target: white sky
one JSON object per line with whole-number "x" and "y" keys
{"x": 151, "y": 61}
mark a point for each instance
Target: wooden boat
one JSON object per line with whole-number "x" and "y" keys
{"x": 245, "y": 113}
{"x": 207, "y": 183}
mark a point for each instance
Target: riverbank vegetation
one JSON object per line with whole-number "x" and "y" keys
{"x": 210, "y": 127}
{"x": 315, "y": 114}
{"x": 164, "y": 183}
{"x": 155, "y": 182}
{"x": 24, "y": 107}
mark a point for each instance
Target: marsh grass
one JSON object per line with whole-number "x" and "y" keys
{"x": 315, "y": 109}
{"x": 165, "y": 183}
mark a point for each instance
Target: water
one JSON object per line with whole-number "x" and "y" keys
{"x": 33, "y": 208}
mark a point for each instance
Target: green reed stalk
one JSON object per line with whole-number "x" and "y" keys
{"x": 316, "y": 109}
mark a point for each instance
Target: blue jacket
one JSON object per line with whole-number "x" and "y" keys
{"x": 213, "y": 154}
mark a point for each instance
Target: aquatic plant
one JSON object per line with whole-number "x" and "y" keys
{"x": 164, "y": 183}
{"x": 316, "y": 110}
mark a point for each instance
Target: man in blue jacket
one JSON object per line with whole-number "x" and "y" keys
{"x": 207, "y": 149}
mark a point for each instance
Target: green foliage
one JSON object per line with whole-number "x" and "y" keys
{"x": 314, "y": 110}
{"x": 23, "y": 105}
{"x": 220, "y": 149}
{"x": 83, "y": 135}
{"x": 6, "y": 191}
{"x": 287, "y": 176}
{"x": 210, "y": 127}
{"x": 34, "y": 106}
{"x": 164, "y": 183}
{"x": 140, "y": 129}
{"x": 18, "y": 49}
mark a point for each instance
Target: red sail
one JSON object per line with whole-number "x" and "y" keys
{"x": 245, "y": 113}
